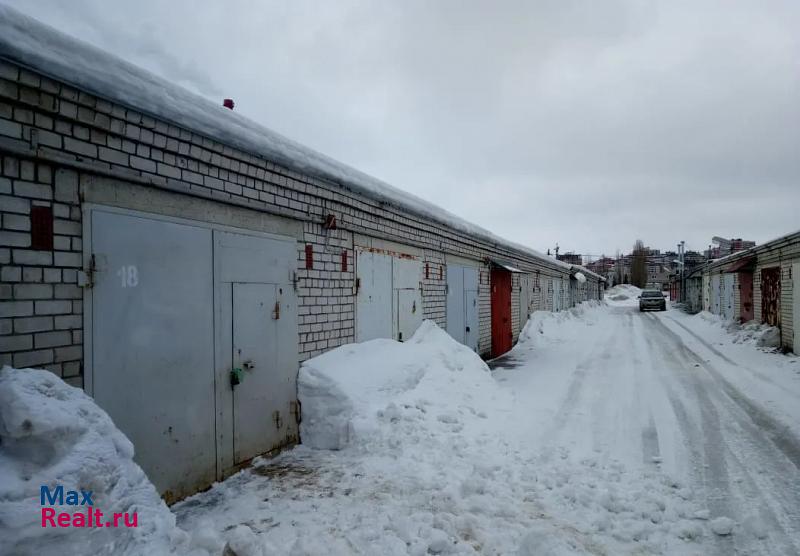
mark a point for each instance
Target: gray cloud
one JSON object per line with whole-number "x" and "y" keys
{"x": 584, "y": 123}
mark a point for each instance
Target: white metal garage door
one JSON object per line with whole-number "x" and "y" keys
{"x": 152, "y": 344}
{"x": 257, "y": 343}
{"x": 462, "y": 304}
{"x": 716, "y": 286}
{"x": 389, "y": 300}
{"x": 525, "y": 298}
{"x": 557, "y": 294}
{"x": 727, "y": 296}
{"x": 175, "y": 309}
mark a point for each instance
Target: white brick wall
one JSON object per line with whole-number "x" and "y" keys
{"x": 40, "y": 303}
{"x": 52, "y": 135}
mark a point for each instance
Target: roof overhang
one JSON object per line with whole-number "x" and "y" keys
{"x": 742, "y": 265}
{"x": 505, "y": 265}
{"x": 580, "y": 277}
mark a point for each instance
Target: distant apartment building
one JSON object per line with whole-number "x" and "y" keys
{"x": 570, "y": 258}
{"x": 724, "y": 247}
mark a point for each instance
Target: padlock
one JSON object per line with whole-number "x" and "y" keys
{"x": 236, "y": 377}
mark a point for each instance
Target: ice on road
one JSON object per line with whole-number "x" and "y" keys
{"x": 605, "y": 431}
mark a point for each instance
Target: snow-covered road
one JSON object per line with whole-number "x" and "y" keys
{"x": 605, "y": 431}
{"x": 647, "y": 390}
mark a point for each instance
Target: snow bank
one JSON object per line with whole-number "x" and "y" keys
{"x": 546, "y": 326}
{"x": 350, "y": 393}
{"x": 53, "y": 434}
{"x": 623, "y": 292}
{"x": 752, "y": 333}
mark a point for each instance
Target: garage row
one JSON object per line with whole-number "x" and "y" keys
{"x": 758, "y": 284}
{"x": 192, "y": 328}
{"x": 178, "y": 261}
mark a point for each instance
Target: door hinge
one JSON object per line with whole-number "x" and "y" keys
{"x": 296, "y": 409}
{"x": 277, "y": 419}
{"x": 276, "y": 312}
{"x": 358, "y": 285}
{"x": 86, "y": 277}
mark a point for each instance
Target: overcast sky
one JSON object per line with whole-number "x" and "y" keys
{"x": 587, "y": 124}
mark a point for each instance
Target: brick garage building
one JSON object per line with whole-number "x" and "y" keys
{"x": 178, "y": 261}
{"x": 758, "y": 284}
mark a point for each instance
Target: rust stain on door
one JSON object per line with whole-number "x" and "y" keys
{"x": 771, "y": 296}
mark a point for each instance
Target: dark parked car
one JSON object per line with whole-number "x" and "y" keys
{"x": 652, "y": 299}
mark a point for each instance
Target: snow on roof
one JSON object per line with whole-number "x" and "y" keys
{"x": 767, "y": 245}
{"x": 580, "y": 277}
{"x": 46, "y": 50}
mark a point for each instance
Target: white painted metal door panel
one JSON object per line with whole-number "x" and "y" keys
{"x": 556, "y": 294}
{"x": 796, "y": 307}
{"x": 253, "y": 273}
{"x": 472, "y": 324}
{"x": 471, "y": 287}
{"x": 462, "y": 304}
{"x": 456, "y": 310}
{"x": 406, "y": 275}
{"x": 409, "y": 313}
{"x": 715, "y": 294}
{"x": 706, "y": 293}
{"x": 727, "y": 296}
{"x": 262, "y": 315}
{"x": 524, "y": 299}
{"x": 374, "y": 300}
{"x": 252, "y": 258}
{"x": 152, "y": 328}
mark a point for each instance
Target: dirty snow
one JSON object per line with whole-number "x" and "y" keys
{"x": 753, "y": 333}
{"x": 585, "y": 438}
{"x": 604, "y": 431}
{"x": 53, "y": 434}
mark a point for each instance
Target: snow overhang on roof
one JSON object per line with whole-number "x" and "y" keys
{"x": 580, "y": 277}
{"x": 30, "y": 43}
{"x": 506, "y": 265}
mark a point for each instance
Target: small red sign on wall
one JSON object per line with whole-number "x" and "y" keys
{"x": 42, "y": 228}
{"x": 309, "y": 256}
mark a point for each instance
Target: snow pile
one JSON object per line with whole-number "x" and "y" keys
{"x": 363, "y": 393}
{"x": 752, "y": 333}
{"x": 549, "y": 327}
{"x": 623, "y": 292}
{"x": 429, "y": 453}
{"x": 53, "y": 434}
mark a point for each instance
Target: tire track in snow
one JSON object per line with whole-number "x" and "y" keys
{"x": 721, "y": 355}
{"x": 567, "y": 408}
{"x": 756, "y": 459}
{"x": 780, "y": 434}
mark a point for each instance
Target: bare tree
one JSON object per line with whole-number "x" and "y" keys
{"x": 639, "y": 264}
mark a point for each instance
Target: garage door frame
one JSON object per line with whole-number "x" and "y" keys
{"x": 88, "y": 210}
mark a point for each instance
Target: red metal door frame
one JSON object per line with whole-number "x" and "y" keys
{"x": 501, "y": 311}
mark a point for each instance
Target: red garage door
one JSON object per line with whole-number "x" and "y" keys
{"x": 501, "y": 311}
